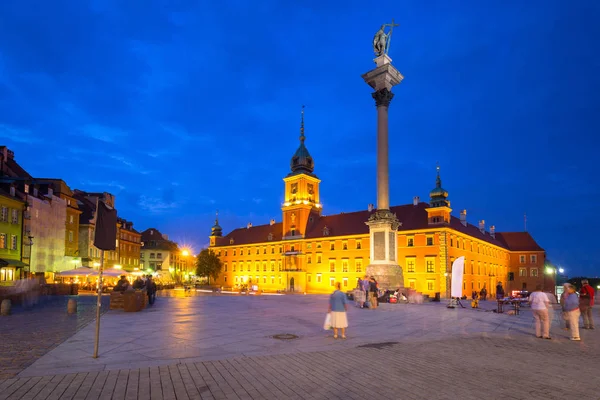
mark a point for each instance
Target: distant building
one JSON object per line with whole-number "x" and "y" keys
{"x": 158, "y": 253}
{"x": 130, "y": 243}
{"x": 309, "y": 251}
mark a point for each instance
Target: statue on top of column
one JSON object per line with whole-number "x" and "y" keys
{"x": 381, "y": 41}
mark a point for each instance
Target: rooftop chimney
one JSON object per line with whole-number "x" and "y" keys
{"x": 370, "y": 208}
{"x": 463, "y": 217}
{"x": 249, "y": 225}
{"x": 165, "y": 236}
{"x": 50, "y": 192}
{"x": 482, "y": 226}
{"x": 416, "y": 200}
{"x": 272, "y": 222}
{"x": 493, "y": 231}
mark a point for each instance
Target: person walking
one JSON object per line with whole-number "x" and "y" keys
{"x": 586, "y": 302}
{"x": 373, "y": 292}
{"x": 338, "y": 305}
{"x": 563, "y": 297}
{"x": 151, "y": 290}
{"x": 365, "y": 289}
{"x": 500, "y": 297}
{"x": 572, "y": 310}
{"x": 539, "y": 305}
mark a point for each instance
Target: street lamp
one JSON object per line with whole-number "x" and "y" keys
{"x": 30, "y": 247}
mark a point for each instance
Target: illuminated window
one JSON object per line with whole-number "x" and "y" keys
{"x": 225, "y": 279}
{"x": 332, "y": 246}
{"x": 331, "y": 281}
{"x": 410, "y": 264}
{"x": 264, "y": 279}
{"x": 319, "y": 278}
{"x": 319, "y": 259}
{"x": 233, "y": 267}
{"x": 358, "y": 244}
{"x": 248, "y": 266}
{"x": 236, "y": 279}
{"x": 264, "y": 250}
{"x": 264, "y": 267}
{"x": 344, "y": 265}
{"x": 257, "y": 251}
{"x": 272, "y": 248}
{"x": 241, "y": 252}
{"x": 358, "y": 265}
{"x": 257, "y": 266}
{"x": 410, "y": 241}
{"x": 13, "y": 242}
{"x": 331, "y": 265}
{"x": 522, "y": 271}
{"x": 308, "y": 260}
{"x": 430, "y": 263}
{"x": 272, "y": 266}
{"x": 430, "y": 285}
{"x": 309, "y": 278}
{"x": 533, "y": 258}
{"x": 345, "y": 282}
{"x": 272, "y": 279}
{"x": 279, "y": 266}
{"x": 412, "y": 284}
{"x": 345, "y": 246}
{"x": 533, "y": 271}
{"x": 225, "y": 266}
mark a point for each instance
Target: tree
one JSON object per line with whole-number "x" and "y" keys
{"x": 208, "y": 264}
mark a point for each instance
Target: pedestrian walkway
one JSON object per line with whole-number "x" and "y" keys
{"x": 259, "y": 347}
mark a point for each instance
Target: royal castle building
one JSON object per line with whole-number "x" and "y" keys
{"x": 308, "y": 251}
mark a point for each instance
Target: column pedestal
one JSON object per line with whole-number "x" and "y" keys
{"x": 383, "y": 226}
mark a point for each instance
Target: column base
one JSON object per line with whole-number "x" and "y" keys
{"x": 389, "y": 276}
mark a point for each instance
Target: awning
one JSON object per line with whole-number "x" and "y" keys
{"x": 13, "y": 263}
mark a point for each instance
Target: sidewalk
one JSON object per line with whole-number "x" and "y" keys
{"x": 223, "y": 347}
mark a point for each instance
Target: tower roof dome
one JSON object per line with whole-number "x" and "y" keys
{"x": 302, "y": 162}
{"x": 216, "y": 229}
{"x": 439, "y": 195}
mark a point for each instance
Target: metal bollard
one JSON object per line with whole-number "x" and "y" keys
{"x": 5, "y": 307}
{"x": 72, "y": 306}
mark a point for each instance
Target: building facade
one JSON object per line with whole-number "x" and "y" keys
{"x": 130, "y": 243}
{"x": 309, "y": 252}
{"x": 158, "y": 254}
{"x": 12, "y": 207}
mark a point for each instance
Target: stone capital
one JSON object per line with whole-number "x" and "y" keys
{"x": 383, "y": 97}
{"x": 384, "y": 217}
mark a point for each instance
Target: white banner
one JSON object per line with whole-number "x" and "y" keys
{"x": 458, "y": 269}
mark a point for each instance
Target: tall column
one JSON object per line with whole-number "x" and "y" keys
{"x": 383, "y": 98}
{"x": 383, "y": 224}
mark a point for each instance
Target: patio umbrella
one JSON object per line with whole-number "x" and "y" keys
{"x": 110, "y": 272}
{"x": 81, "y": 271}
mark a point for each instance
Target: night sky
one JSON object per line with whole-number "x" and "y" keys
{"x": 180, "y": 108}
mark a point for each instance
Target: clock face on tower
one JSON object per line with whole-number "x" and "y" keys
{"x": 294, "y": 188}
{"x": 311, "y": 190}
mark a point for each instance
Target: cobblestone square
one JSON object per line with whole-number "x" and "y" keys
{"x": 222, "y": 347}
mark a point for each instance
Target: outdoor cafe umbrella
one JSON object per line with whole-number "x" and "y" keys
{"x": 111, "y": 272}
{"x": 81, "y": 271}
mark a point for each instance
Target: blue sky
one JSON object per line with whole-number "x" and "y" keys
{"x": 180, "y": 108}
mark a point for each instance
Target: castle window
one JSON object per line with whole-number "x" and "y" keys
{"x": 308, "y": 260}
{"x": 272, "y": 280}
{"x": 331, "y": 265}
{"x": 326, "y": 231}
{"x": 264, "y": 250}
{"x": 225, "y": 279}
{"x": 233, "y": 267}
{"x": 242, "y": 252}
{"x": 272, "y": 247}
{"x": 451, "y": 242}
{"x": 430, "y": 285}
{"x": 234, "y": 252}
{"x": 522, "y": 271}
{"x": 345, "y": 246}
{"x": 430, "y": 262}
{"x": 331, "y": 281}
{"x": 358, "y": 265}
{"x": 533, "y": 272}
{"x": 225, "y": 267}
{"x": 318, "y": 259}
{"x": 257, "y": 265}
{"x": 332, "y": 246}
{"x": 270, "y": 237}
{"x": 344, "y": 265}
{"x": 308, "y": 278}
{"x": 280, "y": 249}
{"x": 410, "y": 264}
{"x": 279, "y": 266}
{"x": 345, "y": 282}
{"x": 249, "y": 267}
{"x": 309, "y": 246}
{"x": 429, "y": 240}
{"x": 293, "y": 232}
{"x": 225, "y": 253}
{"x": 319, "y": 278}
{"x": 358, "y": 244}
{"x": 264, "y": 267}
{"x": 230, "y": 241}
{"x": 522, "y": 259}
{"x": 272, "y": 266}
{"x": 318, "y": 245}
{"x": 533, "y": 258}
{"x": 410, "y": 241}
{"x": 257, "y": 251}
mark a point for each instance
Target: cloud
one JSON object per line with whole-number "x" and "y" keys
{"x": 110, "y": 184}
{"x": 17, "y": 135}
{"x": 103, "y": 133}
{"x": 155, "y": 205}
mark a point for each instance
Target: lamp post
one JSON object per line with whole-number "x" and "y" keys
{"x": 30, "y": 255}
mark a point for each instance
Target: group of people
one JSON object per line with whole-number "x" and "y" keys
{"x": 139, "y": 284}
{"x": 573, "y": 306}
{"x": 368, "y": 292}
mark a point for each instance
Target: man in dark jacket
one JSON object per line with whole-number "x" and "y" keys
{"x": 586, "y": 302}
{"x": 373, "y": 292}
{"x": 150, "y": 289}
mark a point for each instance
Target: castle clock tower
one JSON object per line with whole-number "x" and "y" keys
{"x": 301, "y": 192}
